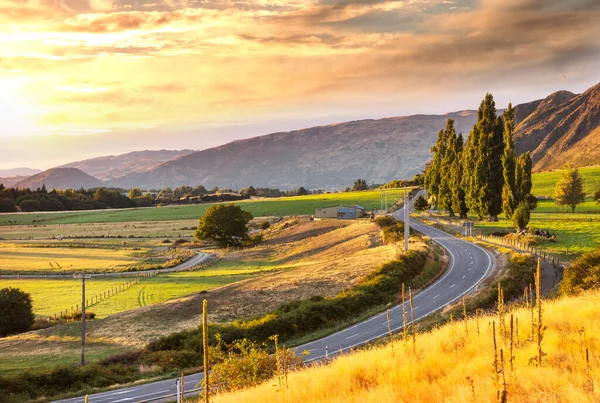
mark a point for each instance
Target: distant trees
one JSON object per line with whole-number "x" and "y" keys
{"x": 135, "y": 192}
{"x": 301, "y": 191}
{"x": 484, "y": 175}
{"x": 7, "y": 205}
{"x": 360, "y": 184}
{"x": 16, "y": 311}
{"x": 225, "y": 224}
{"x": 569, "y": 189}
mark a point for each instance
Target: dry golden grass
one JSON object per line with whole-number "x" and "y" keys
{"x": 314, "y": 264}
{"x": 450, "y": 366}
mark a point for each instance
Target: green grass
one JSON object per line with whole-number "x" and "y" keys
{"x": 268, "y": 207}
{"x": 550, "y": 206}
{"x": 578, "y": 232}
{"x": 544, "y": 182}
{"x": 52, "y": 296}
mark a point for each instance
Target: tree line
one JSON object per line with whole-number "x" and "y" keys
{"x": 482, "y": 175}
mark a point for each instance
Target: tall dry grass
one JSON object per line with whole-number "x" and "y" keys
{"x": 451, "y": 366}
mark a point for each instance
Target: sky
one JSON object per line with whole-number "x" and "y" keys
{"x": 85, "y": 78}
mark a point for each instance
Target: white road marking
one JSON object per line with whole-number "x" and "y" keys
{"x": 469, "y": 269}
{"x": 452, "y": 285}
{"x": 354, "y": 335}
{"x": 463, "y": 276}
{"x": 416, "y": 307}
{"x": 436, "y": 296}
{"x": 121, "y": 392}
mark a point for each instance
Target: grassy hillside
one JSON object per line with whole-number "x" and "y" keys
{"x": 449, "y": 365}
{"x": 268, "y": 207}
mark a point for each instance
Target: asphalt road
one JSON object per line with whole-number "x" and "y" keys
{"x": 468, "y": 266}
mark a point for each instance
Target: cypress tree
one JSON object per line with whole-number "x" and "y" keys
{"x": 484, "y": 190}
{"x": 444, "y": 198}
{"x": 459, "y": 204}
{"x": 523, "y": 176}
{"x": 433, "y": 173}
{"x": 510, "y": 198}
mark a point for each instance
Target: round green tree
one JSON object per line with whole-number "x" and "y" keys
{"x": 16, "y": 311}
{"x": 569, "y": 190}
{"x": 224, "y": 224}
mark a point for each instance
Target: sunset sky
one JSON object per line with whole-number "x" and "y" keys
{"x": 84, "y": 78}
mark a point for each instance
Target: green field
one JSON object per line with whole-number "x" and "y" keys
{"x": 550, "y": 206}
{"x": 578, "y": 232}
{"x": 52, "y": 296}
{"x": 544, "y": 182}
{"x": 298, "y": 205}
{"x": 20, "y": 258}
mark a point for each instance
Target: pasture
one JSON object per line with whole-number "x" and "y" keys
{"x": 544, "y": 182}
{"x": 298, "y": 205}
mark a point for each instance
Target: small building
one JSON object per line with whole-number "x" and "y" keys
{"x": 341, "y": 212}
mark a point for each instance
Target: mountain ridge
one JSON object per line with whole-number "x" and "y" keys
{"x": 61, "y": 178}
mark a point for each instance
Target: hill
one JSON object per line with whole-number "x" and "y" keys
{"x": 10, "y": 181}
{"x": 19, "y": 172}
{"x": 61, "y": 178}
{"x": 563, "y": 129}
{"x": 450, "y": 365}
{"x": 114, "y": 166}
{"x": 320, "y": 157}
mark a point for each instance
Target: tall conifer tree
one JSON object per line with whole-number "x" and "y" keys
{"x": 510, "y": 197}
{"x": 444, "y": 198}
{"x": 459, "y": 204}
{"x": 432, "y": 173}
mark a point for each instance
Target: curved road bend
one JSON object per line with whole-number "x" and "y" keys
{"x": 468, "y": 266}
{"x": 197, "y": 260}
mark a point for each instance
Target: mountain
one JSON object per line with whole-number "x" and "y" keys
{"x": 564, "y": 129}
{"x": 320, "y": 157}
{"x": 61, "y": 178}
{"x": 18, "y": 172}
{"x": 11, "y": 181}
{"x": 114, "y": 166}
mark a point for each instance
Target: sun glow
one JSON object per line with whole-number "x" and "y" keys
{"x": 16, "y": 114}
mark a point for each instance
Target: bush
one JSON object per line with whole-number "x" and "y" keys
{"x": 521, "y": 216}
{"x": 393, "y": 230}
{"x": 264, "y": 225}
{"x": 16, "y": 311}
{"x": 583, "y": 274}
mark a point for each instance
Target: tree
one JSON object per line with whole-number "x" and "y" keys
{"x": 597, "y": 196}
{"x": 509, "y": 164}
{"x": 523, "y": 176}
{"x": 459, "y": 204}
{"x": 16, "y": 311}
{"x": 444, "y": 196}
{"x": 7, "y": 205}
{"x": 360, "y": 184}
{"x": 432, "y": 177}
{"x": 521, "y": 216}
{"x": 225, "y": 224}
{"x": 421, "y": 203}
{"x": 135, "y": 192}
{"x": 569, "y": 190}
{"x": 302, "y": 191}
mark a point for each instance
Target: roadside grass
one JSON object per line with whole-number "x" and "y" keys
{"x": 544, "y": 182}
{"x": 299, "y": 205}
{"x": 449, "y": 364}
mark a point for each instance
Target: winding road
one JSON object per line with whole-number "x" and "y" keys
{"x": 468, "y": 266}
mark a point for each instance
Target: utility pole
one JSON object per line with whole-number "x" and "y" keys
{"x": 82, "y": 277}
{"x": 406, "y": 220}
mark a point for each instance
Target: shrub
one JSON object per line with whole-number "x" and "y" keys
{"x": 521, "y": 216}
{"x": 16, "y": 311}
{"x": 583, "y": 274}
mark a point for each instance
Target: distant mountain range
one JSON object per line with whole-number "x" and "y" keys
{"x": 19, "y": 172}
{"x": 563, "y": 128}
{"x": 114, "y": 166}
{"x": 61, "y": 178}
